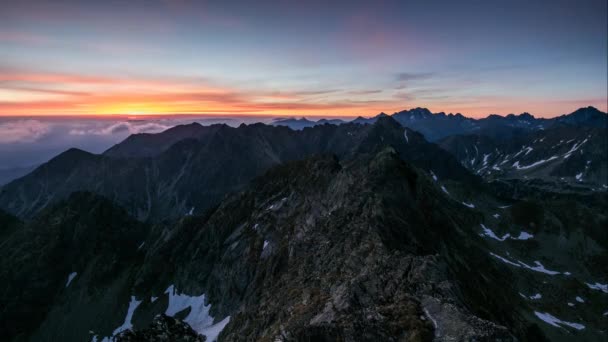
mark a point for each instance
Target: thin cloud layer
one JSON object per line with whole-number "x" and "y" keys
{"x": 122, "y": 127}
{"x": 22, "y": 131}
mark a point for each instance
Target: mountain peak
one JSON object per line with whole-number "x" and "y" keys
{"x": 71, "y": 155}
{"x": 418, "y": 111}
{"x": 387, "y": 121}
{"x": 585, "y": 116}
{"x": 526, "y": 116}
{"x": 589, "y": 111}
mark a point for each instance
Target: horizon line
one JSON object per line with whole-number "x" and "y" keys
{"x": 228, "y": 115}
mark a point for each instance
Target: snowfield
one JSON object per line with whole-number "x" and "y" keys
{"x": 556, "y": 322}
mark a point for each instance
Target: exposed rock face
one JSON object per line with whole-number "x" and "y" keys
{"x": 86, "y": 235}
{"x": 162, "y": 329}
{"x": 314, "y": 250}
{"x": 438, "y": 126}
{"x": 340, "y": 262}
{"x": 190, "y": 168}
{"x": 361, "y": 245}
{"x": 564, "y": 157}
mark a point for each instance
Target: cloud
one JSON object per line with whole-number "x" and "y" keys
{"x": 365, "y": 92}
{"x": 119, "y": 127}
{"x": 22, "y": 131}
{"x": 402, "y": 95}
{"x": 410, "y": 76}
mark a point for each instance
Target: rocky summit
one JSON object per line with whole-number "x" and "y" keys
{"x": 350, "y": 232}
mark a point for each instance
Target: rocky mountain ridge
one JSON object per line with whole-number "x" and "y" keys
{"x": 436, "y": 126}
{"x": 361, "y": 248}
{"x": 570, "y": 158}
{"x": 166, "y": 182}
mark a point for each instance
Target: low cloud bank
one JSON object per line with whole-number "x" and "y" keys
{"x": 22, "y": 131}
{"x": 122, "y": 127}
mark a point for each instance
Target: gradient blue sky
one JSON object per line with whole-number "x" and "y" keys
{"x": 302, "y": 57}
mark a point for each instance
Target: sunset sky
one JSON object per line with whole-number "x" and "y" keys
{"x": 313, "y": 58}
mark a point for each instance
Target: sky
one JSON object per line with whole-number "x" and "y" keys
{"x": 312, "y": 58}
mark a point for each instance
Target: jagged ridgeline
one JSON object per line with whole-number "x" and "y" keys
{"x": 350, "y": 232}
{"x": 188, "y": 169}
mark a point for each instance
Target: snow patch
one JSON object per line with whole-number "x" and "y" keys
{"x": 470, "y": 205}
{"x": 198, "y": 318}
{"x": 524, "y": 236}
{"x": 519, "y": 167}
{"x": 523, "y": 148}
{"x": 153, "y": 299}
{"x": 407, "y": 140}
{"x": 574, "y": 148}
{"x": 579, "y": 177}
{"x": 214, "y": 331}
{"x": 71, "y": 277}
{"x": 598, "y": 286}
{"x": 444, "y": 189}
{"x": 426, "y": 312}
{"x": 505, "y": 260}
{"x": 533, "y": 297}
{"x": 265, "y": 244}
{"x": 485, "y": 158}
{"x": 579, "y": 299}
{"x": 433, "y": 175}
{"x": 496, "y": 216}
{"x": 127, "y": 325}
{"x": 489, "y": 233}
{"x": 556, "y": 322}
{"x": 538, "y": 268}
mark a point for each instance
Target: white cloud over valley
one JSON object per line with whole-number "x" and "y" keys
{"x": 22, "y": 131}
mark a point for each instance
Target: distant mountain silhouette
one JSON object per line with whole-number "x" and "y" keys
{"x": 191, "y": 167}
{"x": 440, "y": 125}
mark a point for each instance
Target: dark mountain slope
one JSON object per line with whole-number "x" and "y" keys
{"x": 501, "y": 128}
{"x": 149, "y": 145}
{"x": 564, "y": 155}
{"x": 83, "y": 237}
{"x": 584, "y": 117}
{"x": 365, "y": 248}
{"x": 195, "y": 173}
{"x": 7, "y": 175}
{"x": 8, "y": 224}
{"x": 298, "y": 124}
{"x": 366, "y": 228}
{"x": 334, "y": 234}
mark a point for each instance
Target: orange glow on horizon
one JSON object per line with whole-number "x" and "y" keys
{"x": 55, "y": 94}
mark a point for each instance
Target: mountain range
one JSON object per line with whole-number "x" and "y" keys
{"x": 190, "y": 168}
{"x": 435, "y": 126}
{"x": 357, "y": 231}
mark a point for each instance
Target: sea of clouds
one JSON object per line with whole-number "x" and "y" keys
{"x": 26, "y": 142}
